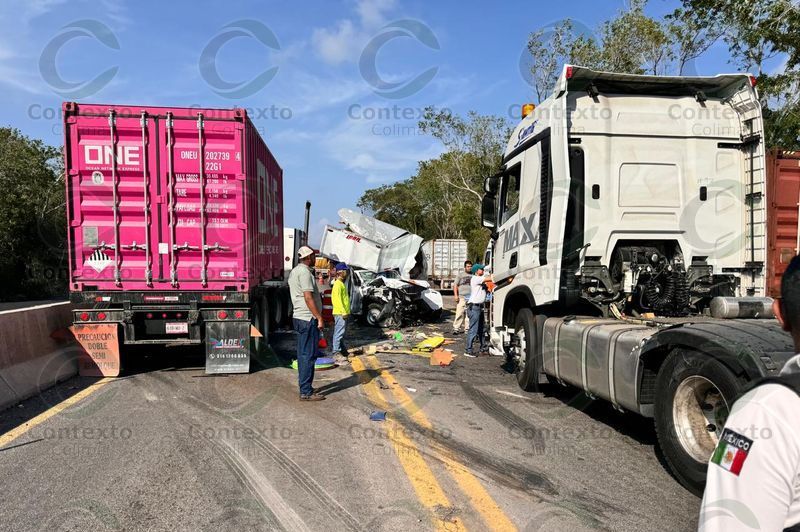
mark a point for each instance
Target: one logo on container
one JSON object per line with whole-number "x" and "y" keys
{"x": 48, "y": 68}
{"x": 235, "y": 90}
{"x": 368, "y": 63}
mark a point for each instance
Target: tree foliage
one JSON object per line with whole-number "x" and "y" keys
{"x": 442, "y": 199}
{"x": 32, "y": 219}
{"x": 754, "y": 31}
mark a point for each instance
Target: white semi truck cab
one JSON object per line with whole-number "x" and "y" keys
{"x": 628, "y": 250}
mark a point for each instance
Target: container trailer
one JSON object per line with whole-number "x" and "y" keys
{"x": 175, "y": 228}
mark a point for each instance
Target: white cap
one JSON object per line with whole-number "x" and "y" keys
{"x": 304, "y": 252}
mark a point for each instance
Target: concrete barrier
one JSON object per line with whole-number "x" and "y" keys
{"x": 31, "y": 360}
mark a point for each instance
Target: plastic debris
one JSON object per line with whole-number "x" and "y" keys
{"x": 441, "y": 357}
{"x": 410, "y": 389}
{"x": 377, "y": 416}
{"x": 429, "y": 344}
{"x": 398, "y": 337}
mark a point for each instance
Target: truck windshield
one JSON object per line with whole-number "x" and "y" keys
{"x": 368, "y": 276}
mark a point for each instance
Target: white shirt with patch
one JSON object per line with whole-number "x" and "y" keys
{"x": 760, "y": 489}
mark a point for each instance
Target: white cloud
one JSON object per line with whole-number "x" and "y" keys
{"x": 337, "y": 45}
{"x": 373, "y": 12}
{"x": 345, "y": 40}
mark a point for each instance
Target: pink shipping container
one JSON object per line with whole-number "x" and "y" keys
{"x": 176, "y": 207}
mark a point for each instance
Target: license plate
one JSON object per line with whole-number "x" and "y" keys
{"x": 177, "y": 328}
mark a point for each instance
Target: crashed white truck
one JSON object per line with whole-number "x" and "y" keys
{"x": 384, "y": 262}
{"x": 629, "y": 241}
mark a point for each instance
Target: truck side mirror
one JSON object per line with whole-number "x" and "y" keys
{"x": 489, "y": 211}
{"x": 491, "y": 184}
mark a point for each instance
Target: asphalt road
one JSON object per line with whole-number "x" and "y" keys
{"x": 166, "y": 447}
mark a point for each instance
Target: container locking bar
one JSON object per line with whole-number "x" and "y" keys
{"x": 173, "y": 271}
{"x": 201, "y": 158}
{"x": 148, "y": 275}
{"x": 115, "y": 204}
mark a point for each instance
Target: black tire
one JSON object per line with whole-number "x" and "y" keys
{"x": 277, "y": 309}
{"x": 256, "y": 343}
{"x": 373, "y": 311}
{"x": 681, "y": 367}
{"x": 530, "y": 369}
{"x": 266, "y": 319}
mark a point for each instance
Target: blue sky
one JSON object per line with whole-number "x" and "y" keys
{"x": 317, "y": 110}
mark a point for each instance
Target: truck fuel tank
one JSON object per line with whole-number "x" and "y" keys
{"x": 742, "y": 307}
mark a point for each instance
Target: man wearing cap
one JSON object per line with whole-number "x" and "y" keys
{"x": 340, "y": 300}
{"x": 477, "y": 297}
{"x": 307, "y": 314}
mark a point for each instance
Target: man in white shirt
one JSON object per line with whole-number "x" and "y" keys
{"x": 308, "y": 323}
{"x": 753, "y": 478}
{"x": 477, "y": 297}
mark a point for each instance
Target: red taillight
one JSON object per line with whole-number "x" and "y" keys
{"x": 238, "y": 314}
{"x": 84, "y": 316}
{"x": 753, "y": 81}
{"x": 179, "y": 315}
{"x": 222, "y": 314}
{"x": 164, "y": 315}
{"x": 101, "y": 316}
{"x": 149, "y": 315}
{"x": 569, "y": 72}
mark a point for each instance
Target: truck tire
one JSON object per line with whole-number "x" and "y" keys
{"x": 256, "y": 317}
{"x": 277, "y": 310}
{"x": 528, "y": 329}
{"x": 694, "y": 393}
{"x": 371, "y": 315}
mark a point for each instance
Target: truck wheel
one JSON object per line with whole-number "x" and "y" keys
{"x": 528, "y": 329}
{"x": 256, "y": 317}
{"x": 277, "y": 309}
{"x": 373, "y": 312}
{"x": 694, "y": 393}
{"x": 266, "y": 319}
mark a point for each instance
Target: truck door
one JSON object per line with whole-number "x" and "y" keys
{"x": 510, "y": 234}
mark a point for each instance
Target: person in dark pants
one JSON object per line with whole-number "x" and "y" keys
{"x": 308, "y": 323}
{"x": 477, "y": 297}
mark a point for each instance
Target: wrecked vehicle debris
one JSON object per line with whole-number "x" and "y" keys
{"x": 385, "y": 300}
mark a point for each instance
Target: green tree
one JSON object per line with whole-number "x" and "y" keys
{"x": 442, "y": 200}
{"x": 756, "y": 32}
{"x": 32, "y": 219}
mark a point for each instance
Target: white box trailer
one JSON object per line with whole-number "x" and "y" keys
{"x": 293, "y": 238}
{"x": 445, "y": 259}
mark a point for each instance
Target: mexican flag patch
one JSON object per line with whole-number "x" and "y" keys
{"x": 731, "y": 451}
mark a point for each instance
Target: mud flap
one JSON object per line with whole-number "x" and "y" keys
{"x": 227, "y": 347}
{"x": 99, "y": 356}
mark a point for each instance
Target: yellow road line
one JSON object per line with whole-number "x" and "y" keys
{"x": 15, "y": 433}
{"x": 425, "y": 485}
{"x": 493, "y": 516}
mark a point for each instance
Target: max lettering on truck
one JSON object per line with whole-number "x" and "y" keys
{"x": 524, "y": 226}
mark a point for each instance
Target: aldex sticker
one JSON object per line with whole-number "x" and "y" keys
{"x": 98, "y": 178}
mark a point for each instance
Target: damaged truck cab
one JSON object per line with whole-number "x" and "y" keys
{"x": 628, "y": 250}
